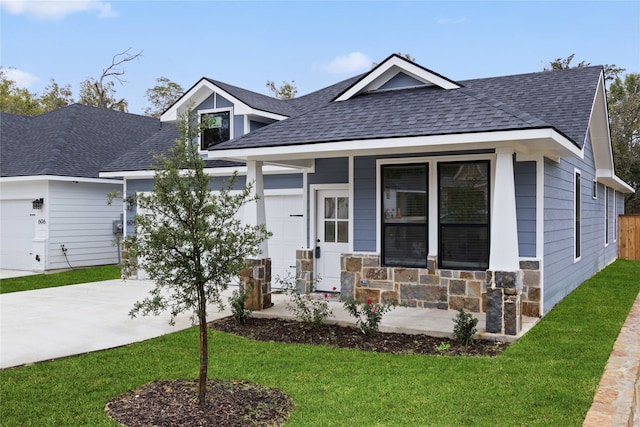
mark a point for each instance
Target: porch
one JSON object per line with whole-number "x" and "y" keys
{"x": 408, "y": 320}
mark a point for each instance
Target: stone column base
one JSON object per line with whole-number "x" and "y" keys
{"x": 256, "y": 279}
{"x": 503, "y": 302}
{"x": 304, "y": 271}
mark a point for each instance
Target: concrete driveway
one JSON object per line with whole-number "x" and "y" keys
{"x": 57, "y": 322}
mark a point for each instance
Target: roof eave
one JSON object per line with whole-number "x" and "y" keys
{"x": 548, "y": 141}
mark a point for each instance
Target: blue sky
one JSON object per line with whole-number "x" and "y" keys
{"x": 314, "y": 43}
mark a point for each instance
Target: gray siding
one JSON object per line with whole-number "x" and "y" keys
{"x": 364, "y": 204}
{"x": 561, "y": 273}
{"x": 525, "y": 183}
{"x": 238, "y": 126}
{"x": 401, "y": 80}
{"x": 253, "y": 125}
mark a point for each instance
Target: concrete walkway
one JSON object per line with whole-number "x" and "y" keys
{"x": 64, "y": 321}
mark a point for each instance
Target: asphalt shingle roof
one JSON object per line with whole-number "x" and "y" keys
{"x": 555, "y": 99}
{"x": 141, "y": 156}
{"x": 76, "y": 140}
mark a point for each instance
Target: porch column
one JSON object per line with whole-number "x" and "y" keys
{"x": 254, "y": 213}
{"x": 256, "y": 277}
{"x": 504, "y": 277}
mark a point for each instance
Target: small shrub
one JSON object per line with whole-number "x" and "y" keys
{"x": 305, "y": 307}
{"x": 237, "y": 302}
{"x": 443, "y": 347}
{"x": 465, "y": 327}
{"x": 368, "y": 315}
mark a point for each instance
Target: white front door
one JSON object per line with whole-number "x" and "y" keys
{"x": 332, "y": 236}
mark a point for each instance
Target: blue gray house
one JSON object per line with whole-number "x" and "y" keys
{"x": 495, "y": 195}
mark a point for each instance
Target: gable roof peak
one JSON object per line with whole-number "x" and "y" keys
{"x": 390, "y": 68}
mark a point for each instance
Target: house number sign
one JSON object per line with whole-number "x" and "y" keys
{"x": 42, "y": 221}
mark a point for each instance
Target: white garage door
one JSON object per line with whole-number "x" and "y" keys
{"x": 17, "y": 230}
{"x": 284, "y": 220}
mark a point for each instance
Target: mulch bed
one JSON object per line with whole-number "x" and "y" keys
{"x": 172, "y": 403}
{"x": 286, "y": 331}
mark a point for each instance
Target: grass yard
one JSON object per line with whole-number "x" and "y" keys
{"x": 547, "y": 378}
{"x": 71, "y": 277}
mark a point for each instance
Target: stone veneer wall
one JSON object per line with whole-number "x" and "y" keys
{"x": 304, "y": 270}
{"x": 363, "y": 277}
{"x": 256, "y": 278}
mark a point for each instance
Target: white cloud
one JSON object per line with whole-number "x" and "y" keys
{"x": 56, "y": 9}
{"x": 355, "y": 61}
{"x": 451, "y": 21}
{"x": 20, "y": 78}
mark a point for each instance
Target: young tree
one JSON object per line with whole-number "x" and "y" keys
{"x": 284, "y": 91}
{"x": 161, "y": 96}
{"x": 188, "y": 240}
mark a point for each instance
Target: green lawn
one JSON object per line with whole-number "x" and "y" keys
{"x": 71, "y": 277}
{"x": 547, "y": 378}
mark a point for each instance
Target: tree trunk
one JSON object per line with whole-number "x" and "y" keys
{"x": 204, "y": 350}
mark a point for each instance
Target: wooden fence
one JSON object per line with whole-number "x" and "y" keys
{"x": 629, "y": 239}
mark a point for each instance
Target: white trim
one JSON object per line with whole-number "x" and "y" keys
{"x": 351, "y": 204}
{"x": 389, "y": 69}
{"x": 540, "y": 208}
{"x": 283, "y": 192}
{"x": 226, "y": 171}
{"x": 60, "y": 178}
{"x": 576, "y": 205}
{"x": 548, "y": 141}
{"x": 201, "y": 91}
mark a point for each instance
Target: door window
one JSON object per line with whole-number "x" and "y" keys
{"x": 336, "y": 219}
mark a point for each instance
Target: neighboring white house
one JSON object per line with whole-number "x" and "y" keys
{"x": 53, "y": 204}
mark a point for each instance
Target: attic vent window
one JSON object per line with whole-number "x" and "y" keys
{"x": 217, "y": 129}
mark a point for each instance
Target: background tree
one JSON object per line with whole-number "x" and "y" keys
{"x": 189, "y": 241}
{"x": 610, "y": 70}
{"x": 623, "y": 101}
{"x": 624, "y": 114}
{"x": 404, "y": 55}
{"x": 284, "y": 91}
{"x": 101, "y": 93}
{"x": 162, "y": 96}
{"x": 16, "y": 100}
{"x": 55, "y": 96}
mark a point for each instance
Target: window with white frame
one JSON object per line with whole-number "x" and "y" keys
{"x": 216, "y": 128}
{"x": 404, "y": 215}
{"x": 463, "y": 215}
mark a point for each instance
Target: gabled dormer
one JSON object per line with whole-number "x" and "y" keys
{"x": 229, "y": 111}
{"x": 396, "y": 72}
